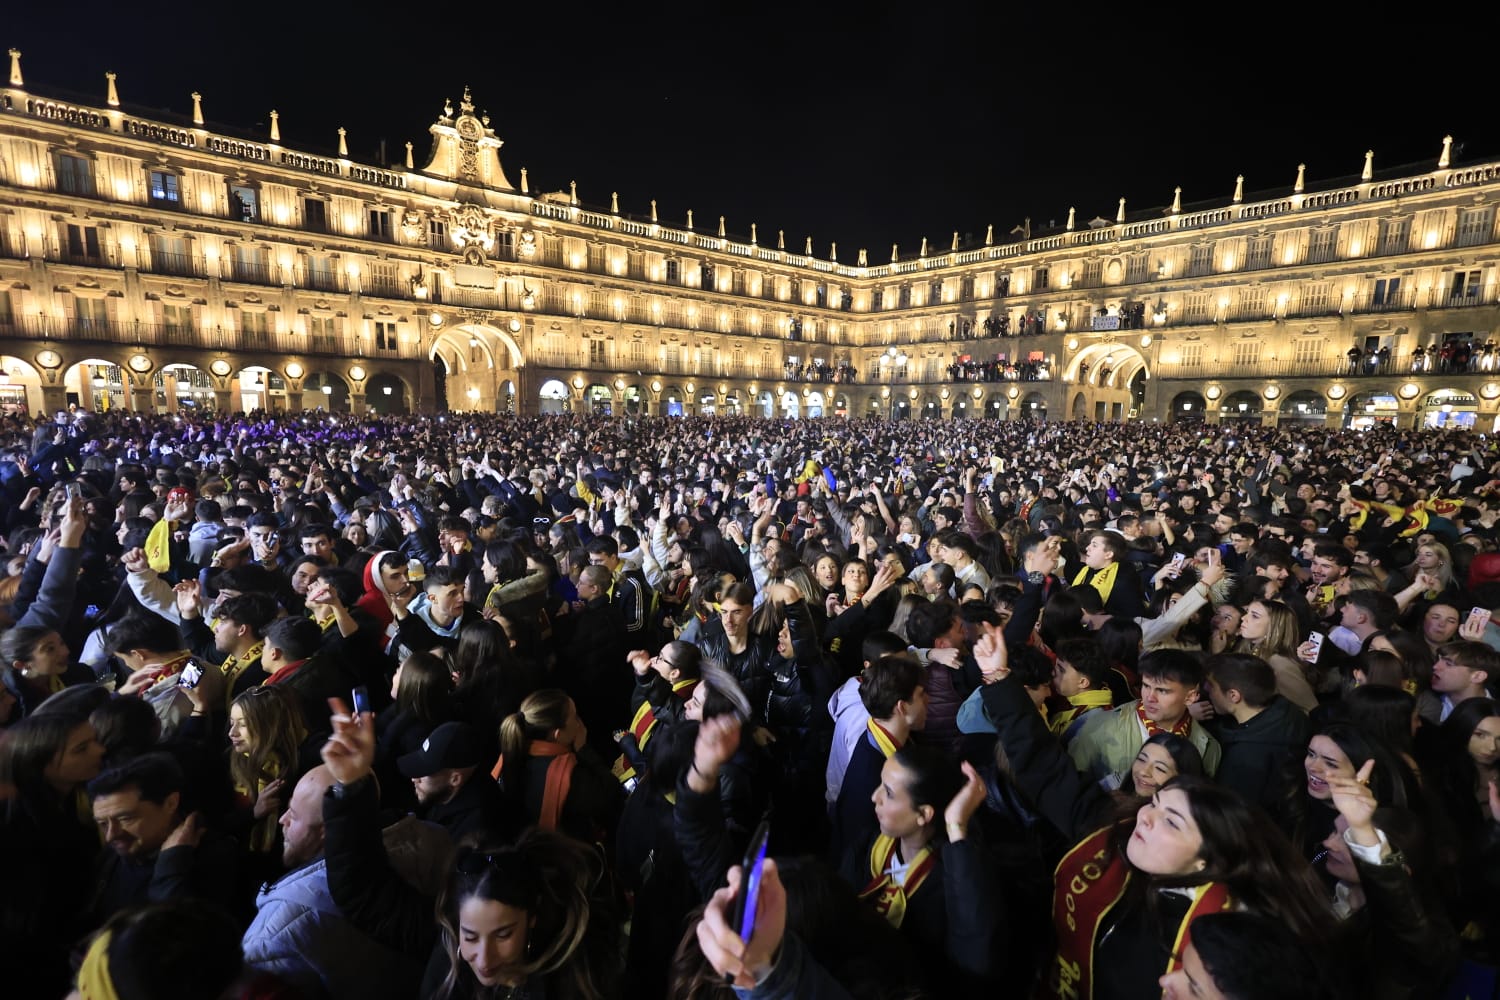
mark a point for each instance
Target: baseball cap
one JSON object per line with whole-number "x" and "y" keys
{"x": 453, "y": 744}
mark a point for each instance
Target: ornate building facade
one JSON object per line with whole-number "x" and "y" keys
{"x": 149, "y": 265}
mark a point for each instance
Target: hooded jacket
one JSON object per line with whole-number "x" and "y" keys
{"x": 376, "y": 599}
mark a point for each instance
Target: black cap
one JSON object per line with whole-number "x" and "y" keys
{"x": 453, "y": 744}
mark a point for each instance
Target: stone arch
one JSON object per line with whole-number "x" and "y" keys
{"x": 552, "y": 397}
{"x": 1306, "y": 406}
{"x": 20, "y": 387}
{"x": 1080, "y": 408}
{"x": 1188, "y": 405}
{"x": 97, "y": 384}
{"x": 1122, "y": 360}
{"x": 326, "y": 389}
{"x": 388, "y": 392}
{"x": 1241, "y": 405}
{"x": 1034, "y": 406}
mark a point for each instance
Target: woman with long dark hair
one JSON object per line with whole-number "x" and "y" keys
{"x": 525, "y": 920}
{"x": 1129, "y": 888}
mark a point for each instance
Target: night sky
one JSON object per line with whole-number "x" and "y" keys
{"x": 855, "y": 123}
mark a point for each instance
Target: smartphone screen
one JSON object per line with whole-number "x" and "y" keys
{"x": 749, "y": 897}
{"x": 191, "y": 674}
{"x": 361, "y": 700}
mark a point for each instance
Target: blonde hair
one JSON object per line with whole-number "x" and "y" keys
{"x": 273, "y": 723}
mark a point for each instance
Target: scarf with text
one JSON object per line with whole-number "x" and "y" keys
{"x": 1103, "y": 580}
{"x": 1089, "y": 881}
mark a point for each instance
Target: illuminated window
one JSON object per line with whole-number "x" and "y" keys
{"x": 1040, "y": 279}
{"x": 597, "y": 352}
{"x": 1202, "y": 259}
{"x": 1475, "y": 225}
{"x": 877, "y": 300}
{"x": 1394, "y": 235}
{"x": 437, "y": 234}
{"x": 674, "y": 271}
{"x": 243, "y": 203}
{"x": 163, "y": 188}
{"x": 1321, "y": 247}
{"x": 1464, "y": 286}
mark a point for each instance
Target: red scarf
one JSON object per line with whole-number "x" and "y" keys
{"x": 884, "y": 741}
{"x": 1181, "y": 729}
{"x": 1089, "y": 880}
{"x": 559, "y": 779}
{"x": 284, "y": 672}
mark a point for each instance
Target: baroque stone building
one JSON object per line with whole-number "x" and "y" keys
{"x": 150, "y": 264}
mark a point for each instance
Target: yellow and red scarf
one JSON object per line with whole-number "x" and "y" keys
{"x": 1183, "y": 726}
{"x": 1089, "y": 880}
{"x": 1079, "y": 705}
{"x": 643, "y": 727}
{"x": 884, "y": 893}
{"x": 884, "y": 741}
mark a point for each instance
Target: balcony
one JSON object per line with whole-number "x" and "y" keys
{"x": 1402, "y": 367}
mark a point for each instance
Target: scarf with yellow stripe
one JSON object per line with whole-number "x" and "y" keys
{"x": 884, "y": 741}
{"x": 1103, "y": 580}
{"x": 1079, "y": 704}
{"x": 643, "y": 727}
{"x": 233, "y": 666}
{"x": 883, "y": 891}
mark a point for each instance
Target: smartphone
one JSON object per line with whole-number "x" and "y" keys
{"x": 748, "y": 900}
{"x": 361, "y": 700}
{"x": 1316, "y": 638}
{"x": 92, "y": 611}
{"x": 1178, "y": 558}
{"x": 75, "y": 492}
{"x": 192, "y": 673}
{"x": 1482, "y": 614}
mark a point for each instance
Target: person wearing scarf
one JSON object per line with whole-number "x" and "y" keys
{"x": 1081, "y": 675}
{"x": 1108, "y": 740}
{"x": 921, "y": 870}
{"x": 1103, "y": 558}
{"x": 891, "y": 689}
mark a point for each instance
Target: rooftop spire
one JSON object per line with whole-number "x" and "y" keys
{"x": 1239, "y": 189}
{"x": 410, "y": 163}
{"x": 1072, "y": 214}
{"x": 275, "y": 126}
{"x": 721, "y": 227}
{"x": 989, "y": 234}
{"x": 112, "y": 96}
{"x": 864, "y": 257}
{"x": 1369, "y": 170}
{"x": 1120, "y": 215}
{"x": 197, "y": 108}
{"x": 343, "y": 142}
{"x": 15, "y": 69}
{"x": 1177, "y": 200}
{"x": 1301, "y": 176}
{"x": 1442, "y": 160}
{"x": 614, "y": 203}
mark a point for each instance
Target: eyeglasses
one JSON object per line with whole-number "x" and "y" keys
{"x": 479, "y": 864}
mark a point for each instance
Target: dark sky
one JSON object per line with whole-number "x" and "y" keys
{"x": 857, "y": 123}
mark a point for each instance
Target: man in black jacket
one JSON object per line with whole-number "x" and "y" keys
{"x": 155, "y": 853}
{"x": 1259, "y": 731}
{"x": 453, "y": 788}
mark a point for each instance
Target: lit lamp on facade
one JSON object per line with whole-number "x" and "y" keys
{"x": 327, "y": 390}
{"x": 357, "y": 373}
{"x": 578, "y": 382}
{"x": 294, "y": 370}
{"x": 656, "y": 385}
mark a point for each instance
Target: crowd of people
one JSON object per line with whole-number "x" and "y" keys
{"x": 465, "y": 706}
